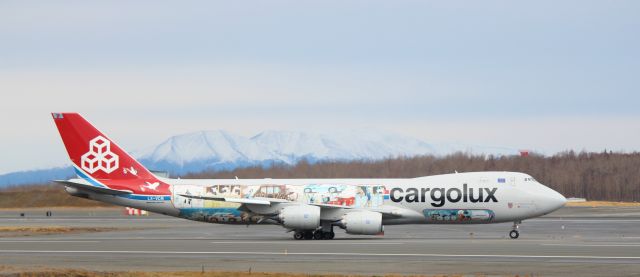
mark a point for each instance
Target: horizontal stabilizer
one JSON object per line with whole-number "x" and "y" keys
{"x": 92, "y": 188}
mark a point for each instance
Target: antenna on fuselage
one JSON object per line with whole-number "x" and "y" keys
{"x": 237, "y": 178}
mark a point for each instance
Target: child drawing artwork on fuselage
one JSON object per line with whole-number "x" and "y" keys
{"x": 376, "y": 197}
{"x": 361, "y": 198}
{"x": 248, "y": 192}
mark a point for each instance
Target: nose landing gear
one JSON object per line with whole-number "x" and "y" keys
{"x": 514, "y": 234}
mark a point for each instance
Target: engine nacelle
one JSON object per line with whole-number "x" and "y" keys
{"x": 300, "y": 217}
{"x": 363, "y": 223}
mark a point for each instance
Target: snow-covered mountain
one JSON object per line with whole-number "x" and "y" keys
{"x": 202, "y": 150}
{"x": 220, "y": 150}
{"x": 340, "y": 146}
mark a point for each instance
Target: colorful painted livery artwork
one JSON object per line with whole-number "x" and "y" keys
{"x": 215, "y": 215}
{"x": 355, "y": 196}
{"x": 458, "y": 216}
{"x": 352, "y": 196}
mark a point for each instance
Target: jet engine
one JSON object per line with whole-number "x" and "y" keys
{"x": 363, "y": 223}
{"x": 300, "y": 217}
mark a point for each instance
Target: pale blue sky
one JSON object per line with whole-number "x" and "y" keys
{"x": 543, "y": 75}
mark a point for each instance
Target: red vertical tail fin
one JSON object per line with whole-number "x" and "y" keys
{"x": 100, "y": 161}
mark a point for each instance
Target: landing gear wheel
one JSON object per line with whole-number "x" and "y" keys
{"x": 328, "y": 235}
{"x": 317, "y": 235}
{"x": 298, "y": 236}
{"x": 514, "y": 234}
{"x": 308, "y": 235}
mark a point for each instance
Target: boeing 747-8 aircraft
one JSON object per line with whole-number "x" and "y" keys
{"x": 310, "y": 208}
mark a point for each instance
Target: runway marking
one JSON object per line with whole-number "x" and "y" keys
{"x": 604, "y": 220}
{"x": 320, "y": 254}
{"x": 448, "y": 229}
{"x": 589, "y": 245}
{"x": 302, "y": 242}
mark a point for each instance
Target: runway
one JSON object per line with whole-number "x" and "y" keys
{"x": 573, "y": 241}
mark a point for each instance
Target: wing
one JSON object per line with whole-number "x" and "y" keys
{"x": 255, "y": 201}
{"x": 387, "y": 211}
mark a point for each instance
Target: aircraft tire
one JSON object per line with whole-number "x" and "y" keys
{"x": 514, "y": 234}
{"x": 328, "y": 235}
{"x": 308, "y": 235}
{"x": 318, "y": 235}
{"x": 298, "y": 235}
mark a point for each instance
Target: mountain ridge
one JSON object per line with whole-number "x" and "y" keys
{"x": 222, "y": 150}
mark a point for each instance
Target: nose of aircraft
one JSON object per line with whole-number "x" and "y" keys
{"x": 552, "y": 200}
{"x": 557, "y": 200}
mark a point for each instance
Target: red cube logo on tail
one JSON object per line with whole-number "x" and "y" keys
{"x": 99, "y": 156}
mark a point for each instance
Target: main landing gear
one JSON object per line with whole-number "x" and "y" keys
{"x": 514, "y": 234}
{"x": 317, "y": 235}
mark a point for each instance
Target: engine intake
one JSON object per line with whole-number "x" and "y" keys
{"x": 300, "y": 217}
{"x": 363, "y": 223}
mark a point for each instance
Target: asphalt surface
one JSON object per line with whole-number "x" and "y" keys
{"x": 570, "y": 242}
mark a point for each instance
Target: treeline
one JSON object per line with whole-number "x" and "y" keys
{"x": 42, "y": 195}
{"x": 594, "y": 176}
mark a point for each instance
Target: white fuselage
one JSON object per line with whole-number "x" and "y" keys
{"x": 459, "y": 198}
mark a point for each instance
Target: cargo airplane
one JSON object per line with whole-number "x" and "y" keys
{"x": 310, "y": 208}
